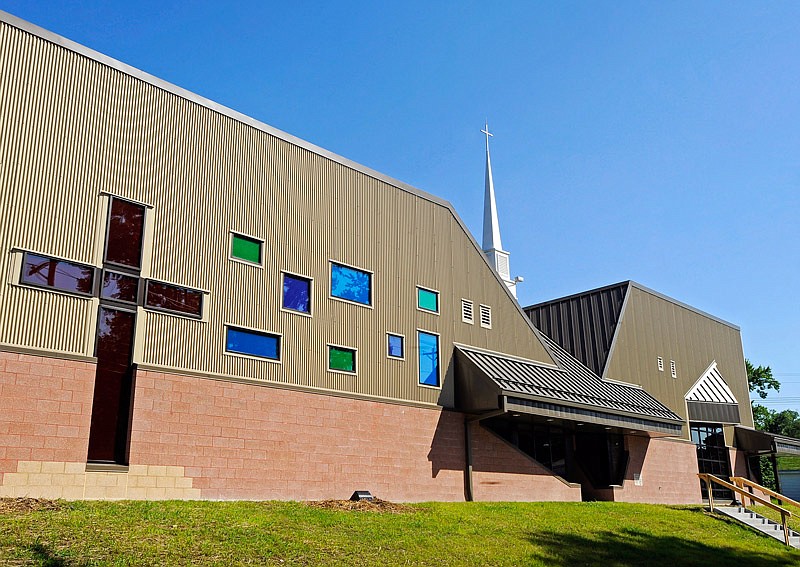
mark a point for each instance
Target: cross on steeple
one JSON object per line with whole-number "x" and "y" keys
{"x": 492, "y": 245}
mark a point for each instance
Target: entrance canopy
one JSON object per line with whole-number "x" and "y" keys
{"x": 570, "y": 392}
{"x": 758, "y": 442}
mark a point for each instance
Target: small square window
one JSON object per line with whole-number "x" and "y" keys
{"x": 296, "y": 293}
{"x": 486, "y": 316}
{"x": 395, "y": 347}
{"x": 246, "y": 248}
{"x": 351, "y": 284}
{"x": 427, "y": 300}
{"x": 467, "y": 311}
{"x": 341, "y": 359}
{"x": 253, "y": 343}
{"x": 121, "y": 287}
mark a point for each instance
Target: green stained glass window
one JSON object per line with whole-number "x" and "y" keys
{"x": 245, "y": 248}
{"x": 427, "y": 300}
{"x": 340, "y": 358}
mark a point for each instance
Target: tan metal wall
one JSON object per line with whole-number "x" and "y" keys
{"x": 73, "y": 128}
{"x": 651, "y": 327}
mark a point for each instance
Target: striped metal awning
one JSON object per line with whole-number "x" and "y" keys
{"x": 571, "y": 391}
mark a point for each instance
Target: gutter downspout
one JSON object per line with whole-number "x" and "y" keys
{"x": 468, "y": 421}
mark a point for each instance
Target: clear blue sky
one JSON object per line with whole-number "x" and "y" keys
{"x": 658, "y": 142}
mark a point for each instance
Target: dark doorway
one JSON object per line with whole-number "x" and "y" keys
{"x": 111, "y": 407}
{"x": 602, "y": 457}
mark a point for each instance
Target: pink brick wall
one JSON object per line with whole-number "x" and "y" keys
{"x": 45, "y": 409}
{"x": 250, "y": 442}
{"x": 669, "y": 472}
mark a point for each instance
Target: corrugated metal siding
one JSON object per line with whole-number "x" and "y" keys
{"x": 582, "y": 324}
{"x": 653, "y": 327}
{"x": 98, "y": 129}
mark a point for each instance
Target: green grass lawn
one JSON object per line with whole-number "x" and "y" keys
{"x": 289, "y": 533}
{"x": 789, "y": 463}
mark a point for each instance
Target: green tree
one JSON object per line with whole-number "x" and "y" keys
{"x": 760, "y": 379}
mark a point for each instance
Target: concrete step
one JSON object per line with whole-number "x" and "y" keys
{"x": 760, "y": 523}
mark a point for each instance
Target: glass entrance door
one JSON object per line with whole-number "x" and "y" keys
{"x": 712, "y": 456}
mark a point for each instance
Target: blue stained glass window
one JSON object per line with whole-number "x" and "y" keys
{"x": 394, "y": 346}
{"x": 296, "y": 293}
{"x": 428, "y": 358}
{"x": 253, "y": 343}
{"x": 351, "y": 284}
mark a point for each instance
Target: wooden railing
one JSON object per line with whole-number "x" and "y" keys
{"x": 742, "y": 482}
{"x": 710, "y": 478}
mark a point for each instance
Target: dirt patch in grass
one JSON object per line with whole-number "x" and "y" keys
{"x": 374, "y": 505}
{"x": 23, "y": 505}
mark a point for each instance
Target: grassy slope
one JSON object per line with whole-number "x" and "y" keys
{"x": 237, "y": 533}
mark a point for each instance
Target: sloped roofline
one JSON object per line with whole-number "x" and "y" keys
{"x": 89, "y": 53}
{"x": 629, "y": 284}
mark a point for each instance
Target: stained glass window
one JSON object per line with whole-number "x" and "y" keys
{"x": 394, "y": 345}
{"x": 253, "y": 343}
{"x": 246, "y": 248}
{"x": 427, "y": 300}
{"x": 351, "y": 284}
{"x": 341, "y": 358}
{"x": 428, "y": 350}
{"x": 296, "y": 293}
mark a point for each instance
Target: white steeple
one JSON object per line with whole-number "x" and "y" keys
{"x": 492, "y": 245}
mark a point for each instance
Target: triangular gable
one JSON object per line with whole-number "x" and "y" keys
{"x": 712, "y": 388}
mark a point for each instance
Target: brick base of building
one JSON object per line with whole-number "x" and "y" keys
{"x": 198, "y": 438}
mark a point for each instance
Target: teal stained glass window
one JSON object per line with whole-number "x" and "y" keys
{"x": 427, "y": 300}
{"x": 341, "y": 358}
{"x": 351, "y": 284}
{"x": 245, "y": 248}
{"x": 428, "y": 351}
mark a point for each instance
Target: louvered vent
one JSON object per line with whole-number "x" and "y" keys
{"x": 673, "y": 369}
{"x": 486, "y": 316}
{"x": 502, "y": 266}
{"x": 467, "y": 311}
{"x": 660, "y": 364}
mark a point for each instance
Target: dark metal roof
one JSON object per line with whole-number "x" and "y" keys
{"x": 584, "y": 324}
{"x": 571, "y": 384}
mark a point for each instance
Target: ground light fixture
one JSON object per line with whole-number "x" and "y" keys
{"x": 362, "y": 495}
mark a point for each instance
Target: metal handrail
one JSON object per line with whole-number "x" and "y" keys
{"x": 778, "y": 496}
{"x": 709, "y": 478}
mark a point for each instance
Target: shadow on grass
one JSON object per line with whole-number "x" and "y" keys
{"x": 46, "y": 557}
{"x": 634, "y": 547}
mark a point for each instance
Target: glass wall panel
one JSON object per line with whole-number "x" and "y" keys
{"x": 340, "y": 358}
{"x": 264, "y": 345}
{"x": 169, "y": 297}
{"x": 428, "y": 358}
{"x": 108, "y": 436}
{"x": 120, "y": 287}
{"x": 296, "y": 293}
{"x": 351, "y": 284}
{"x": 244, "y": 248}
{"x": 125, "y": 234}
{"x": 427, "y": 300}
{"x": 48, "y": 272}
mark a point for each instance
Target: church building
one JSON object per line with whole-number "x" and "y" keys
{"x": 196, "y": 305}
